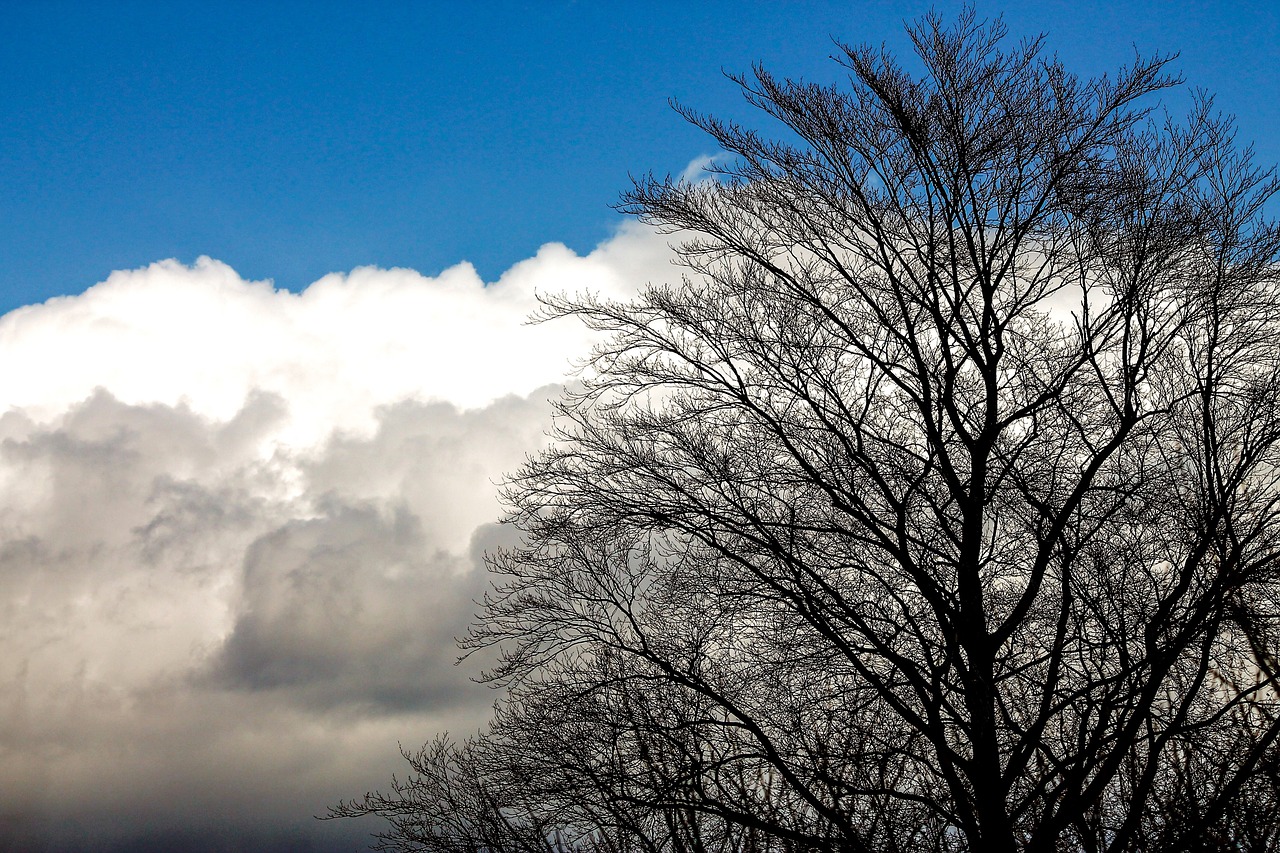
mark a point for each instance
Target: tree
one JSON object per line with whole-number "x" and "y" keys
{"x": 936, "y": 508}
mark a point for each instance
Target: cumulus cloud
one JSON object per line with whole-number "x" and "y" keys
{"x": 241, "y": 527}
{"x": 203, "y": 336}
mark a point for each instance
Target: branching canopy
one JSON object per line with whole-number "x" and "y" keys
{"x": 936, "y": 508}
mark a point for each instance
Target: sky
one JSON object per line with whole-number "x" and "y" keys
{"x": 264, "y": 273}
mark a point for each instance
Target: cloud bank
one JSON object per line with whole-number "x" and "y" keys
{"x": 240, "y": 527}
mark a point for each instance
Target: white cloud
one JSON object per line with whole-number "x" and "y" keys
{"x": 696, "y": 171}
{"x": 203, "y": 336}
{"x": 239, "y": 528}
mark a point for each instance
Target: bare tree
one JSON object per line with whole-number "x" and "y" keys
{"x": 935, "y": 509}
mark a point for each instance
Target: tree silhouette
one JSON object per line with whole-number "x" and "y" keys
{"x": 935, "y": 509}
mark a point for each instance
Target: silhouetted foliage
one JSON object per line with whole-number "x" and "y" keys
{"x": 936, "y": 509}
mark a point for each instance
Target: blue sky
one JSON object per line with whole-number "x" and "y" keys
{"x": 294, "y": 139}
{"x": 240, "y": 526}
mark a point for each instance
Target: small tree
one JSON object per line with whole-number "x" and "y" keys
{"x": 935, "y": 509}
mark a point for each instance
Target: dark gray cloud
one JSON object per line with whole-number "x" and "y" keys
{"x": 209, "y": 640}
{"x": 350, "y": 607}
